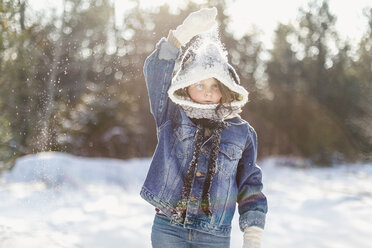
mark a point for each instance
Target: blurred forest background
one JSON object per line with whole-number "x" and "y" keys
{"x": 75, "y": 84}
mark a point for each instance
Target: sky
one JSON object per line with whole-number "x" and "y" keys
{"x": 267, "y": 13}
{"x": 264, "y": 15}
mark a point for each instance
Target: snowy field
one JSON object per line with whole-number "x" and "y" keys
{"x": 58, "y": 200}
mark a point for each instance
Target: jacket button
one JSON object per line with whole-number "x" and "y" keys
{"x": 203, "y": 150}
{"x": 193, "y": 198}
{"x": 199, "y": 174}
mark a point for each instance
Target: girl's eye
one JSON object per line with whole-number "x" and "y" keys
{"x": 199, "y": 86}
{"x": 215, "y": 86}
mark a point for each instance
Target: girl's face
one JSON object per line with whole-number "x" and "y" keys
{"x": 205, "y": 91}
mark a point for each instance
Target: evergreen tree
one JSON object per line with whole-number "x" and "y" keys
{"x": 315, "y": 97}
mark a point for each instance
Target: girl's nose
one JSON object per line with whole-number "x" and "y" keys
{"x": 208, "y": 92}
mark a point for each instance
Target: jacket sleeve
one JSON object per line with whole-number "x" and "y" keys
{"x": 158, "y": 69}
{"x": 252, "y": 203}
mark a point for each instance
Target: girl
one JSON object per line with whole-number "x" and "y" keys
{"x": 205, "y": 160}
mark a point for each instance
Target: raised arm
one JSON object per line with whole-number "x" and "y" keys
{"x": 159, "y": 66}
{"x": 158, "y": 70}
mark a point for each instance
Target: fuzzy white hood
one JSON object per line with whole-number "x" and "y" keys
{"x": 206, "y": 59}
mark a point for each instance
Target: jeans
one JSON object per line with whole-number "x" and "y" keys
{"x": 165, "y": 235}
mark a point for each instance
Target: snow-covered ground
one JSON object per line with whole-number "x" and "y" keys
{"x": 59, "y": 200}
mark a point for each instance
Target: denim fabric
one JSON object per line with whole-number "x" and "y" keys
{"x": 238, "y": 179}
{"x": 164, "y": 235}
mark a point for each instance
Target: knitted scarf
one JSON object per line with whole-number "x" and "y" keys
{"x": 216, "y": 126}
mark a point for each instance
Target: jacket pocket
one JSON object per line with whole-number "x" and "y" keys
{"x": 184, "y": 140}
{"x": 228, "y": 158}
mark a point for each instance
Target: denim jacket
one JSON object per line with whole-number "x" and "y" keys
{"x": 238, "y": 179}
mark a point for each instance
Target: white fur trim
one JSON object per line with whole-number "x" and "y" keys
{"x": 223, "y": 113}
{"x": 206, "y": 59}
{"x": 182, "y": 81}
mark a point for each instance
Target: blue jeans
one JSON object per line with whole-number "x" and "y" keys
{"x": 165, "y": 235}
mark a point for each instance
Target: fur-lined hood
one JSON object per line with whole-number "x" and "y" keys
{"x": 206, "y": 59}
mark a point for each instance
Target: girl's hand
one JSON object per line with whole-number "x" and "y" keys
{"x": 195, "y": 23}
{"x": 252, "y": 237}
